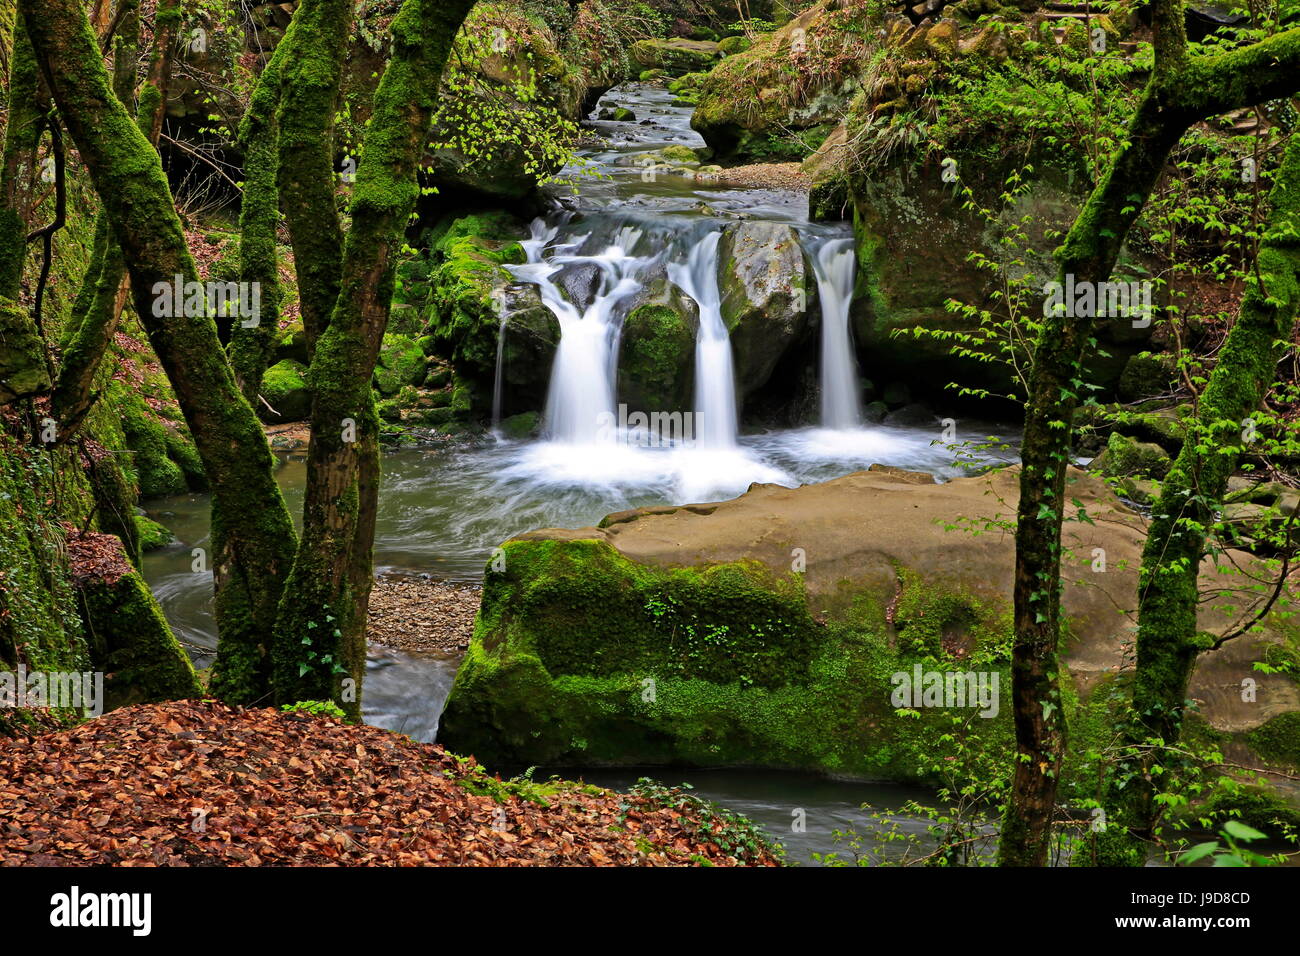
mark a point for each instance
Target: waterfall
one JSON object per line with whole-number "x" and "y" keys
{"x": 580, "y": 403}
{"x": 715, "y": 388}
{"x": 841, "y": 407}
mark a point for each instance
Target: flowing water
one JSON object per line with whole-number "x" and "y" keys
{"x": 442, "y": 511}
{"x": 841, "y": 394}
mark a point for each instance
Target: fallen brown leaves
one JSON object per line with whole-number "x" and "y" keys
{"x": 198, "y": 783}
{"x": 95, "y": 557}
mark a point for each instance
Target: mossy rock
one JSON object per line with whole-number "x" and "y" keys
{"x": 766, "y": 294}
{"x": 153, "y": 536}
{"x": 132, "y": 641}
{"x": 717, "y": 665}
{"x": 284, "y": 386}
{"x": 1126, "y": 458}
{"x": 675, "y": 57}
{"x": 679, "y": 154}
{"x": 23, "y": 372}
{"x": 656, "y": 357}
{"x": 146, "y": 437}
{"x": 401, "y": 362}
{"x": 730, "y": 46}
{"x": 471, "y": 294}
{"x": 1146, "y": 376}
{"x": 521, "y": 426}
{"x": 1278, "y": 740}
{"x": 748, "y": 99}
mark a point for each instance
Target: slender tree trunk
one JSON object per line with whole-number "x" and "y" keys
{"x": 1181, "y": 91}
{"x": 1190, "y": 495}
{"x": 259, "y": 215}
{"x": 331, "y": 579}
{"x": 309, "y": 95}
{"x": 247, "y": 506}
{"x": 1088, "y": 255}
{"x": 95, "y": 325}
{"x": 21, "y": 134}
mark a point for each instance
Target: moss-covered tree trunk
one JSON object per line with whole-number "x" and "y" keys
{"x": 329, "y": 589}
{"x": 259, "y": 215}
{"x": 248, "y": 509}
{"x": 1191, "y": 494}
{"x": 1179, "y": 93}
{"x": 310, "y": 81}
{"x": 98, "y": 309}
{"x": 22, "y": 131}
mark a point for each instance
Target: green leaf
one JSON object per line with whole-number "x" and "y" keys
{"x": 1239, "y": 830}
{"x": 1198, "y": 852}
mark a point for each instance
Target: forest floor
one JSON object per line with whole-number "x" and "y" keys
{"x": 415, "y": 614}
{"x": 199, "y": 783}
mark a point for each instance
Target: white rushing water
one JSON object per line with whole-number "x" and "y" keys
{"x": 580, "y": 401}
{"x": 841, "y": 405}
{"x": 715, "y": 379}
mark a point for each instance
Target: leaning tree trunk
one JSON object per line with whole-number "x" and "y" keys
{"x": 329, "y": 590}
{"x": 1168, "y": 640}
{"x": 1181, "y": 91}
{"x": 259, "y": 215}
{"x": 247, "y": 506}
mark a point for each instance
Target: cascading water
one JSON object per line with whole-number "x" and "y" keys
{"x": 841, "y": 407}
{"x": 580, "y": 402}
{"x": 715, "y": 383}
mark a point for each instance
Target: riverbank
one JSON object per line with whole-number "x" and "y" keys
{"x": 198, "y": 783}
{"x": 420, "y": 614}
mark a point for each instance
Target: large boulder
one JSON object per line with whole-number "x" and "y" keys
{"x": 657, "y": 350}
{"x": 752, "y": 100}
{"x": 765, "y": 288}
{"x": 676, "y": 57}
{"x": 772, "y": 630}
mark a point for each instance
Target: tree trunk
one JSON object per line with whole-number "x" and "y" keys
{"x": 331, "y": 579}
{"x": 247, "y": 506}
{"x": 309, "y": 94}
{"x": 1180, "y": 92}
{"x": 1191, "y": 494}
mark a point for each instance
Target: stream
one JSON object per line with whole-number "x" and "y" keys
{"x": 443, "y": 510}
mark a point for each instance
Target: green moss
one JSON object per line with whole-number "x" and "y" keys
{"x": 582, "y": 656}
{"x": 401, "y": 362}
{"x": 284, "y": 386}
{"x": 23, "y": 372}
{"x": 152, "y": 535}
{"x": 1278, "y": 740}
{"x": 146, "y": 437}
{"x": 1127, "y": 458}
{"x": 656, "y": 358}
{"x": 730, "y": 46}
{"x": 39, "y": 625}
{"x": 133, "y": 643}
